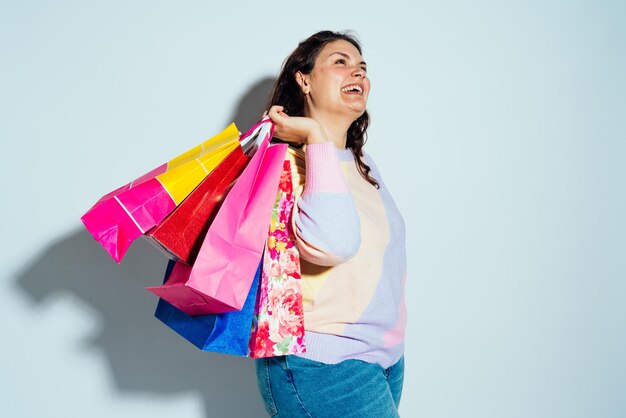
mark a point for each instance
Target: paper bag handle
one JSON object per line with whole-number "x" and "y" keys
{"x": 258, "y": 131}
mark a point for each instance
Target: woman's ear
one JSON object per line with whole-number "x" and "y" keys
{"x": 303, "y": 82}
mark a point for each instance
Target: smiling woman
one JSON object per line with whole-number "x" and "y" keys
{"x": 351, "y": 240}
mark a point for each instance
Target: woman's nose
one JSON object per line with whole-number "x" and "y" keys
{"x": 358, "y": 72}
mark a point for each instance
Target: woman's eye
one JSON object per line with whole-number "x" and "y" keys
{"x": 343, "y": 61}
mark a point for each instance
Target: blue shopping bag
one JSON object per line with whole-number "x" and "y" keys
{"x": 227, "y": 333}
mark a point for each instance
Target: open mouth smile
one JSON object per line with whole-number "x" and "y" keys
{"x": 352, "y": 89}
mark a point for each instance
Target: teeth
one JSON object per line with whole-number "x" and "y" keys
{"x": 353, "y": 87}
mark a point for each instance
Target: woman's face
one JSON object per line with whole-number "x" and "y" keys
{"x": 338, "y": 83}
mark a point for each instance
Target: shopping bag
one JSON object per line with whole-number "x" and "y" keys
{"x": 278, "y": 322}
{"x": 223, "y": 333}
{"x": 121, "y": 216}
{"x": 220, "y": 278}
{"x": 181, "y": 233}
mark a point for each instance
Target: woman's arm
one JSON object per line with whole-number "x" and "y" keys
{"x": 325, "y": 220}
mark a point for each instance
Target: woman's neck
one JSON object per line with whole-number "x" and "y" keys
{"x": 335, "y": 127}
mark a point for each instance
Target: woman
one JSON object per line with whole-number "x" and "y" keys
{"x": 351, "y": 241}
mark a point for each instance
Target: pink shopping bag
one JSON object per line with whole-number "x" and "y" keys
{"x": 219, "y": 280}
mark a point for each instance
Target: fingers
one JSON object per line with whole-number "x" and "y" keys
{"x": 287, "y": 128}
{"x": 278, "y": 108}
{"x": 276, "y": 113}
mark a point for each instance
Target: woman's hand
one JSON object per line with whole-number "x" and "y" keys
{"x": 299, "y": 129}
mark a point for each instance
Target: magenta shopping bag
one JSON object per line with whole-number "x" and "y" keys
{"x": 220, "y": 278}
{"x": 123, "y": 215}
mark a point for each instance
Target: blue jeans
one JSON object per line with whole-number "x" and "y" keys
{"x": 294, "y": 387}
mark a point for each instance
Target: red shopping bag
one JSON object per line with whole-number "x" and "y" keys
{"x": 180, "y": 235}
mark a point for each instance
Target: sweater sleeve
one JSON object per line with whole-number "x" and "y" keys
{"x": 325, "y": 221}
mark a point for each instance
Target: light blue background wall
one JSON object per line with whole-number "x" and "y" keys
{"x": 498, "y": 126}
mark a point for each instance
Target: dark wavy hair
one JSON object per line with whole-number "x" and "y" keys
{"x": 287, "y": 93}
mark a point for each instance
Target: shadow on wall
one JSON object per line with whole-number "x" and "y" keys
{"x": 143, "y": 354}
{"x": 252, "y": 104}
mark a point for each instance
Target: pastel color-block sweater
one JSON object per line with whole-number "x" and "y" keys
{"x": 351, "y": 239}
